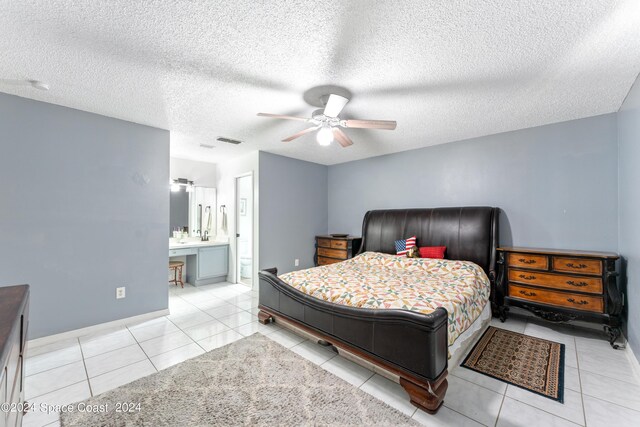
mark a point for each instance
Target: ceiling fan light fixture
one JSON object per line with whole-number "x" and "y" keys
{"x": 326, "y": 122}
{"x": 324, "y": 136}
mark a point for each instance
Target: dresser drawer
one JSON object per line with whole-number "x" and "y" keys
{"x": 333, "y": 253}
{"x": 325, "y": 243}
{"x": 3, "y": 390}
{"x": 577, "y": 265}
{"x": 562, "y": 299}
{"x": 13, "y": 367}
{"x": 15, "y": 394}
{"x": 326, "y": 261}
{"x": 592, "y": 285}
{"x": 536, "y": 262}
{"x": 183, "y": 252}
{"x": 339, "y": 244}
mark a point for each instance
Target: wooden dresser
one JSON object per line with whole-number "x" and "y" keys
{"x": 331, "y": 249}
{"x": 14, "y": 323}
{"x": 560, "y": 285}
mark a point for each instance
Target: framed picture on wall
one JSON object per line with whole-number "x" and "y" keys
{"x": 243, "y": 206}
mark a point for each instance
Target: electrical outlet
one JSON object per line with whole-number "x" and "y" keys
{"x": 296, "y": 262}
{"x": 120, "y": 293}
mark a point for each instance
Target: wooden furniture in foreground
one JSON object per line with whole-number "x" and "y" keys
{"x": 176, "y": 268}
{"x": 14, "y": 324}
{"x": 560, "y": 286}
{"x": 408, "y": 346}
{"x": 331, "y": 249}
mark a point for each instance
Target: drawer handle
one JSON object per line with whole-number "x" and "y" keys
{"x": 579, "y": 284}
{"x": 529, "y": 294}
{"x": 578, "y": 266}
{"x": 522, "y": 276}
{"x": 527, "y": 261}
{"x": 581, "y": 302}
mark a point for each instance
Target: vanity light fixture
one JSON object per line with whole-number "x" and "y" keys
{"x": 177, "y": 184}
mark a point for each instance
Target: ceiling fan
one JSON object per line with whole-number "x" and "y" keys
{"x": 328, "y": 124}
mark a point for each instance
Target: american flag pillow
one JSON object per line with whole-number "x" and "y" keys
{"x": 403, "y": 246}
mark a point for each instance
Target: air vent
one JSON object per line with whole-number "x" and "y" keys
{"x": 207, "y": 146}
{"x": 228, "y": 140}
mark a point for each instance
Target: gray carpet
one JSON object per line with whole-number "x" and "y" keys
{"x": 254, "y": 381}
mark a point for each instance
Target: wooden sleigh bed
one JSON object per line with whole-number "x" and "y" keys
{"x": 408, "y": 346}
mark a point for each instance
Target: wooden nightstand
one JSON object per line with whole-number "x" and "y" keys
{"x": 331, "y": 249}
{"x": 560, "y": 286}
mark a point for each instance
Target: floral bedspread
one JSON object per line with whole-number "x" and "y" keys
{"x": 380, "y": 281}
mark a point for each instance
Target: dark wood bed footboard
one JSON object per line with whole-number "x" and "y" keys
{"x": 409, "y": 345}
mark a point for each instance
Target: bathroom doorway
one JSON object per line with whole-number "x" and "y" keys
{"x": 244, "y": 229}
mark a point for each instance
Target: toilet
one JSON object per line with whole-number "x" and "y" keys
{"x": 245, "y": 268}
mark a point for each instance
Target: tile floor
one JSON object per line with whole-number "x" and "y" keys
{"x": 600, "y": 389}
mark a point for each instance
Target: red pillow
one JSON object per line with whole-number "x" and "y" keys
{"x": 436, "y": 252}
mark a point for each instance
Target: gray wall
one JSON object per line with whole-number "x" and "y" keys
{"x": 84, "y": 208}
{"x": 556, "y": 184}
{"x": 293, "y": 210}
{"x": 629, "y": 208}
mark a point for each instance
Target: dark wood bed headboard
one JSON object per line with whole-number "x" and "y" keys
{"x": 469, "y": 233}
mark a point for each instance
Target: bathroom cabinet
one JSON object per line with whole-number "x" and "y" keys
{"x": 213, "y": 263}
{"x": 205, "y": 264}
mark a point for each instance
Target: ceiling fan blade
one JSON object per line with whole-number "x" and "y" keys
{"x": 282, "y": 116}
{"x": 299, "y": 134}
{"x": 334, "y": 106}
{"x": 370, "y": 124}
{"x": 342, "y": 137}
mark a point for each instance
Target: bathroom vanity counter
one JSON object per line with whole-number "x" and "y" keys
{"x": 195, "y": 244}
{"x": 206, "y": 262}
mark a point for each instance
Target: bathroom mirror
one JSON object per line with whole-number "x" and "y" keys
{"x": 202, "y": 212}
{"x": 178, "y": 210}
{"x": 195, "y": 210}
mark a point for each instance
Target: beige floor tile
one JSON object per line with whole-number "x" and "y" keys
{"x": 118, "y": 377}
{"x": 170, "y": 358}
{"x": 390, "y": 393}
{"x": 475, "y": 402}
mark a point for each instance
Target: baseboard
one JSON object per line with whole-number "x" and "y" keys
{"x": 633, "y": 360}
{"x": 96, "y": 328}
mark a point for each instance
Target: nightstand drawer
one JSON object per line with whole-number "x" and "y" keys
{"x": 562, "y": 299}
{"x": 592, "y": 285}
{"x": 325, "y": 243}
{"x": 326, "y": 261}
{"x": 331, "y": 249}
{"x": 339, "y": 244}
{"x": 578, "y": 265}
{"x": 536, "y": 262}
{"x": 333, "y": 253}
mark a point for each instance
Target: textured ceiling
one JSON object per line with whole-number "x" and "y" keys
{"x": 445, "y": 70}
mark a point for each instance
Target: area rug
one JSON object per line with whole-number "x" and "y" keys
{"x": 254, "y": 381}
{"x": 527, "y": 362}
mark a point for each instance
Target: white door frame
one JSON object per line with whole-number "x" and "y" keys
{"x": 236, "y": 262}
